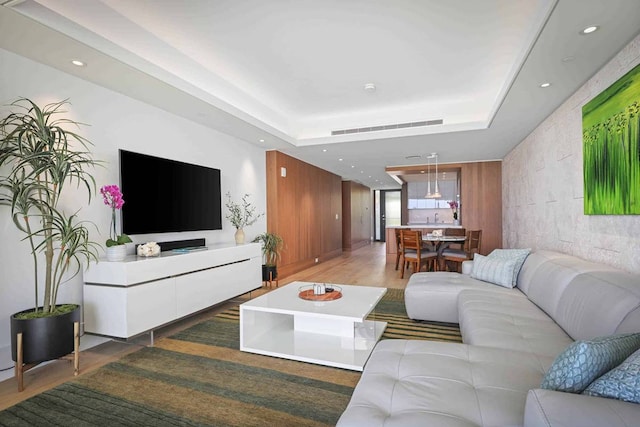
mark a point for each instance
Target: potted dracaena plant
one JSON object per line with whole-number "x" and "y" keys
{"x": 39, "y": 159}
{"x": 271, "y": 247}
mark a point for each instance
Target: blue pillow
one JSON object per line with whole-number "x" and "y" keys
{"x": 519, "y": 255}
{"x": 493, "y": 270}
{"x": 584, "y": 361}
{"x": 622, "y": 383}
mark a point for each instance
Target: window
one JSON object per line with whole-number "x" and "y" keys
{"x": 423, "y": 210}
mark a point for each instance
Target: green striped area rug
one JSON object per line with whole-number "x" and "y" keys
{"x": 198, "y": 377}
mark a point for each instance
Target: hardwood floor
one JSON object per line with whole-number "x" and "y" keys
{"x": 365, "y": 266}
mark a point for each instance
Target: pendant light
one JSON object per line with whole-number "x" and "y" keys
{"x": 436, "y": 194}
{"x": 428, "y": 195}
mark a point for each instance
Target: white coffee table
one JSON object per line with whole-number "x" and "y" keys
{"x": 331, "y": 333}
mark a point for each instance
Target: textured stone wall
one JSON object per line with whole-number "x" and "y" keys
{"x": 542, "y": 185}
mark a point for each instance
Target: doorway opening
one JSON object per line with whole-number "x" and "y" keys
{"x": 387, "y": 209}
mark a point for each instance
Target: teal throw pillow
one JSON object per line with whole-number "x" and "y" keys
{"x": 493, "y": 270}
{"x": 584, "y": 361}
{"x": 520, "y": 255}
{"x": 622, "y": 382}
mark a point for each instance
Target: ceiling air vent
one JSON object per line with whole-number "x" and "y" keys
{"x": 387, "y": 127}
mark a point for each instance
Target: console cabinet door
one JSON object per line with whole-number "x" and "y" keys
{"x": 203, "y": 289}
{"x": 150, "y": 305}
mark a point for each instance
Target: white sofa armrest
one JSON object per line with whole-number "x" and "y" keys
{"x": 545, "y": 408}
{"x": 467, "y": 266}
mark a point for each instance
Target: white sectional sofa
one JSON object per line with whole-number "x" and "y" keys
{"x": 511, "y": 338}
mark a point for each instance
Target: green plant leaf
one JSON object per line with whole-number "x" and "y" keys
{"x": 39, "y": 157}
{"x": 122, "y": 239}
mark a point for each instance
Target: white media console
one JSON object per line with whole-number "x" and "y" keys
{"x": 127, "y": 298}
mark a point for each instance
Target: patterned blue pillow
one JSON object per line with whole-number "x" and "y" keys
{"x": 520, "y": 255}
{"x": 584, "y": 361}
{"x": 622, "y": 383}
{"x": 496, "y": 271}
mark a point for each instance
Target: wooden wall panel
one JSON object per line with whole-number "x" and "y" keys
{"x": 481, "y": 196}
{"x": 364, "y": 211}
{"x": 346, "y": 215}
{"x": 302, "y": 208}
{"x": 356, "y": 212}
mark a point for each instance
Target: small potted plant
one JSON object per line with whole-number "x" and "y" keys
{"x": 241, "y": 215}
{"x": 453, "y": 204}
{"x": 112, "y": 197}
{"x": 271, "y": 247}
{"x": 39, "y": 158}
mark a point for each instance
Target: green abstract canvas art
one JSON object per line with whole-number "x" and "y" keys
{"x": 611, "y": 148}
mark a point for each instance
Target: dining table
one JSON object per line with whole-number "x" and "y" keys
{"x": 440, "y": 243}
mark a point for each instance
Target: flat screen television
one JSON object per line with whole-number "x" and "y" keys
{"x": 164, "y": 195}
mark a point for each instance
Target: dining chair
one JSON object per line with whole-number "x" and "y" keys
{"x": 398, "y": 247}
{"x": 456, "y": 232}
{"x": 455, "y": 256}
{"x": 413, "y": 253}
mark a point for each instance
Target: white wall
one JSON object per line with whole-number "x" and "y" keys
{"x": 542, "y": 185}
{"x": 116, "y": 121}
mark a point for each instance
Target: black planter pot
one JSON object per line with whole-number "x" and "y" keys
{"x": 45, "y": 338}
{"x": 269, "y": 273}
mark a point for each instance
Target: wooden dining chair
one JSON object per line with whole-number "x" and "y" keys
{"x": 458, "y": 232}
{"x": 413, "y": 253}
{"x": 398, "y": 247}
{"x": 471, "y": 246}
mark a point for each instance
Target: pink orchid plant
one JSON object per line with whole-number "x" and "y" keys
{"x": 112, "y": 197}
{"x": 454, "y": 207}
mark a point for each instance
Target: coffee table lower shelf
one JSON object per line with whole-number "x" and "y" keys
{"x": 275, "y": 334}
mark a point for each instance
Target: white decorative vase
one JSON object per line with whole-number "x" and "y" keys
{"x": 239, "y": 236}
{"x": 116, "y": 253}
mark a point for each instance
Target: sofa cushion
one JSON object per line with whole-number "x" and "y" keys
{"x": 545, "y": 408}
{"x": 417, "y": 383}
{"x": 600, "y": 303}
{"x": 586, "y": 299}
{"x": 509, "y": 321}
{"x": 434, "y": 296}
{"x": 532, "y": 267}
{"x": 519, "y": 255}
{"x": 584, "y": 361}
{"x": 494, "y": 270}
{"x": 622, "y": 382}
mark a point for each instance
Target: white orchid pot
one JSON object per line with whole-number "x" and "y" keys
{"x": 116, "y": 253}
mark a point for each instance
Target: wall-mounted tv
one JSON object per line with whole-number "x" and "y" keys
{"x": 163, "y": 195}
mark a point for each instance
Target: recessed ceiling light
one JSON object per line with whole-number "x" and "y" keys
{"x": 590, "y": 29}
{"x": 339, "y": 160}
{"x": 353, "y": 166}
{"x": 324, "y": 150}
{"x": 421, "y": 171}
{"x": 369, "y": 176}
{"x": 361, "y": 171}
{"x": 543, "y": 85}
{"x": 370, "y": 87}
{"x": 78, "y": 63}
